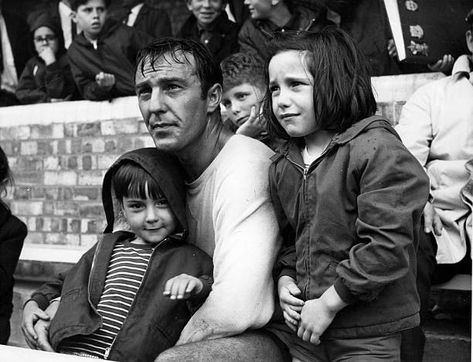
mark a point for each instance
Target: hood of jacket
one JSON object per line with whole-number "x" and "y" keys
{"x": 164, "y": 168}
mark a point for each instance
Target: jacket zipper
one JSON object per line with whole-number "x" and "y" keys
{"x": 109, "y": 349}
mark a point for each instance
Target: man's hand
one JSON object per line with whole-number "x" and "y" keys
{"x": 255, "y": 125}
{"x": 31, "y": 314}
{"x": 105, "y": 80}
{"x": 290, "y": 305}
{"x": 47, "y": 54}
{"x": 318, "y": 314}
{"x": 432, "y": 221}
{"x": 392, "y": 50}
{"x": 182, "y": 287}
{"x": 443, "y": 65}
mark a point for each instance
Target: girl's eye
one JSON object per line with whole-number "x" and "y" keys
{"x": 162, "y": 202}
{"x": 241, "y": 97}
{"x": 135, "y": 206}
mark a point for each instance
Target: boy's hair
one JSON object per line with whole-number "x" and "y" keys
{"x": 131, "y": 180}
{"x": 177, "y": 50}
{"x": 240, "y": 68}
{"x": 74, "y": 4}
{"x": 6, "y": 177}
{"x": 342, "y": 83}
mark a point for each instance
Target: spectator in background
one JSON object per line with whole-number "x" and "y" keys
{"x": 269, "y": 16}
{"x": 102, "y": 57}
{"x": 244, "y": 88}
{"x": 15, "y": 51}
{"x": 366, "y": 21}
{"x": 12, "y": 234}
{"x": 209, "y": 24}
{"x": 144, "y": 18}
{"x": 47, "y": 76}
{"x": 436, "y": 126}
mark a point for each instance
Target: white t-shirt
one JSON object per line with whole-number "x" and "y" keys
{"x": 231, "y": 217}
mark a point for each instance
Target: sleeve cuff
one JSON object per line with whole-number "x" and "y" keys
{"x": 289, "y": 272}
{"x": 41, "y": 300}
{"x": 344, "y": 292}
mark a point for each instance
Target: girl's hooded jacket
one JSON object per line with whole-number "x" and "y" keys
{"x": 154, "y": 321}
{"x": 351, "y": 219}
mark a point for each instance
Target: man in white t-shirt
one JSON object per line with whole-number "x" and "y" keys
{"x": 228, "y": 206}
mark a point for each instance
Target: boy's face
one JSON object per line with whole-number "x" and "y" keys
{"x": 259, "y": 9}
{"x": 205, "y": 11}
{"x": 239, "y": 100}
{"x": 90, "y": 17}
{"x": 45, "y": 38}
{"x": 151, "y": 220}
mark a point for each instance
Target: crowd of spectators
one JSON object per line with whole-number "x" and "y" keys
{"x": 96, "y": 46}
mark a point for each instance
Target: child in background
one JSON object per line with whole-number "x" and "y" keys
{"x": 102, "y": 57}
{"x": 129, "y": 296}
{"x": 209, "y": 24}
{"x": 12, "y": 234}
{"x": 348, "y": 197}
{"x": 244, "y": 87}
{"x": 47, "y": 76}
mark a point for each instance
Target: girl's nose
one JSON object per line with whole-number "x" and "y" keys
{"x": 151, "y": 215}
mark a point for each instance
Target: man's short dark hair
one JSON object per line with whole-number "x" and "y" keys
{"x": 240, "y": 68}
{"x": 342, "y": 83}
{"x": 206, "y": 67}
{"x": 74, "y": 4}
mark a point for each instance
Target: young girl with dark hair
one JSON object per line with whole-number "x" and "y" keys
{"x": 348, "y": 196}
{"x": 12, "y": 234}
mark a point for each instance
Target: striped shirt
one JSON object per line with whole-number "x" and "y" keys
{"x": 125, "y": 273}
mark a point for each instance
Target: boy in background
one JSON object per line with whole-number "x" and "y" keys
{"x": 102, "y": 57}
{"x": 131, "y": 294}
{"x": 243, "y": 92}
{"x": 209, "y": 25}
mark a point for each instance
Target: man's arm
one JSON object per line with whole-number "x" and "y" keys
{"x": 246, "y": 243}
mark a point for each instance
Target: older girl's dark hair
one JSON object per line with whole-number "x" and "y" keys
{"x": 131, "y": 180}
{"x": 177, "y": 50}
{"x": 6, "y": 177}
{"x": 342, "y": 83}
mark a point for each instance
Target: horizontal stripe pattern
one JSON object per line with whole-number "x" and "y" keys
{"x": 125, "y": 273}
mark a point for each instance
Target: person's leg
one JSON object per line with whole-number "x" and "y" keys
{"x": 371, "y": 349}
{"x": 413, "y": 340}
{"x": 249, "y": 346}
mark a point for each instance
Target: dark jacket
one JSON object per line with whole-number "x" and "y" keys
{"x": 12, "y": 234}
{"x": 222, "y": 37}
{"x": 154, "y": 22}
{"x": 154, "y": 322}
{"x": 117, "y": 47}
{"x": 39, "y": 83}
{"x": 352, "y": 220}
{"x": 255, "y": 34}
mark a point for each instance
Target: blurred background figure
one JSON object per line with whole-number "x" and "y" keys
{"x": 12, "y": 234}
{"x": 47, "y": 76}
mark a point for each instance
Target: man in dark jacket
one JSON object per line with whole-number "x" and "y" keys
{"x": 268, "y": 17}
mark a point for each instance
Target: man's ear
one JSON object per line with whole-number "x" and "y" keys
{"x": 469, "y": 40}
{"x": 74, "y": 16}
{"x": 214, "y": 97}
{"x": 188, "y": 4}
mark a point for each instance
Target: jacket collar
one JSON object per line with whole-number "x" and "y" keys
{"x": 462, "y": 67}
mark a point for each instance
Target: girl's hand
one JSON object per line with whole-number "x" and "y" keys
{"x": 290, "y": 305}
{"x": 182, "y": 287}
{"x": 32, "y": 313}
{"x": 255, "y": 125}
{"x": 318, "y": 314}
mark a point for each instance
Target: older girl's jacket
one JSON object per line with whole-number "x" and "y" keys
{"x": 351, "y": 220}
{"x": 154, "y": 322}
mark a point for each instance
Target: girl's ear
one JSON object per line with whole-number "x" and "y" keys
{"x": 214, "y": 97}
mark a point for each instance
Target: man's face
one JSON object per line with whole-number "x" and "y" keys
{"x": 239, "y": 100}
{"x": 205, "y": 11}
{"x": 90, "y": 17}
{"x": 171, "y": 103}
{"x": 259, "y": 9}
